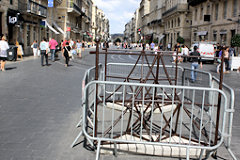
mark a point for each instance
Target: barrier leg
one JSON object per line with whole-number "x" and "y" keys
{"x": 98, "y": 150}
{"x": 231, "y": 153}
{"x": 187, "y": 153}
{"x": 115, "y": 149}
{"x": 201, "y": 154}
{"x": 76, "y": 139}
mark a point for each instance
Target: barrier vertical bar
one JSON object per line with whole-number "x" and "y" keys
{"x": 219, "y": 99}
{"x": 96, "y": 78}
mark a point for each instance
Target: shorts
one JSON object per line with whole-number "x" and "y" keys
{"x": 3, "y": 58}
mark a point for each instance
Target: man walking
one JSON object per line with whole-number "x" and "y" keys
{"x": 43, "y": 48}
{"x": 52, "y": 45}
{"x": 196, "y": 60}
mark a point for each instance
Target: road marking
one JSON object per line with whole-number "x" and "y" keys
{"x": 112, "y": 57}
{"x": 120, "y": 57}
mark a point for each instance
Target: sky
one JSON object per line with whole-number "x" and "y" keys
{"x": 119, "y": 12}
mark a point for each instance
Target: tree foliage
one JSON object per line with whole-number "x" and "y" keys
{"x": 235, "y": 41}
{"x": 180, "y": 40}
{"x": 118, "y": 40}
{"x": 155, "y": 41}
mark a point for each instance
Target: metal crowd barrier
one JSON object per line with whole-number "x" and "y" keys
{"x": 187, "y": 127}
{"x": 167, "y": 118}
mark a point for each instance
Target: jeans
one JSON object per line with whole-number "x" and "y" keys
{"x": 194, "y": 73}
{"x": 43, "y": 54}
{"x": 52, "y": 54}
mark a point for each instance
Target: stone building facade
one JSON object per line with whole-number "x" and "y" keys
{"x": 216, "y": 21}
{"x": 163, "y": 21}
{"x": 28, "y": 20}
{"x": 9, "y": 19}
{"x": 194, "y": 20}
{"x": 177, "y": 21}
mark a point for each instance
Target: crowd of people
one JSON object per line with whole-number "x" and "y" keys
{"x": 69, "y": 49}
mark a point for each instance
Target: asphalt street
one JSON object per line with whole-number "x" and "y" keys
{"x": 40, "y": 107}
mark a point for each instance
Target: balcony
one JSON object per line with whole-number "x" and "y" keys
{"x": 177, "y": 8}
{"x": 195, "y": 2}
{"x": 72, "y": 7}
{"x": 32, "y": 7}
{"x": 58, "y": 2}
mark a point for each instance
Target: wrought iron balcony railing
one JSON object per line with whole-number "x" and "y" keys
{"x": 195, "y": 2}
{"x": 32, "y": 8}
{"x": 74, "y": 7}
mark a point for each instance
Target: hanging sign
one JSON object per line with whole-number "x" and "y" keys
{"x": 68, "y": 29}
{"x": 50, "y": 3}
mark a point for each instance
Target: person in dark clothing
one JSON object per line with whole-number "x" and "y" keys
{"x": 65, "y": 51}
{"x": 196, "y": 60}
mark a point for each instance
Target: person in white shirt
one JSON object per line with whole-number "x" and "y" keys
{"x": 3, "y": 52}
{"x": 185, "y": 53}
{"x": 44, "y": 53}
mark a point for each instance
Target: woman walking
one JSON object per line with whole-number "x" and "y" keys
{"x": 43, "y": 48}
{"x": 66, "y": 51}
{"x": 3, "y": 52}
{"x": 34, "y": 46}
{"x": 79, "y": 48}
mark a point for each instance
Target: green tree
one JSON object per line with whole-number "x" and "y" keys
{"x": 155, "y": 41}
{"x": 117, "y": 40}
{"x": 235, "y": 41}
{"x": 180, "y": 40}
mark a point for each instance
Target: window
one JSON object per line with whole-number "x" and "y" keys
{"x": 201, "y": 13}
{"x": 208, "y": 9}
{"x": 11, "y": 1}
{"x": 195, "y": 37}
{"x": 196, "y": 14}
{"x": 216, "y": 12}
{"x": 225, "y": 9}
{"x": 34, "y": 33}
{"x": 28, "y": 35}
{"x": 179, "y": 21}
{"x": 235, "y": 7}
{"x": 214, "y": 35}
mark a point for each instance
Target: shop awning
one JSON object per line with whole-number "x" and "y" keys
{"x": 51, "y": 28}
{"x": 58, "y": 28}
{"x": 202, "y": 33}
{"x": 223, "y": 32}
{"x": 89, "y": 34}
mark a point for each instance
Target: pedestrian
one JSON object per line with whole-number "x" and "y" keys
{"x": 52, "y": 45}
{"x": 72, "y": 43}
{"x": 152, "y": 46}
{"x": 44, "y": 52}
{"x": 185, "y": 52}
{"x": 66, "y": 51}
{"x": 232, "y": 53}
{"x": 169, "y": 46}
{"x": 160, "y": 46}
{"x": 147, "y": 46}
{"x": 226, "y": 59}
{"x": 219, "y": 60}
{"x": 196, "y": 60}
{"x": 3, "y": 52}
{"x": 34, "y": 46}
{"x": 83, "y": 46}
{"x": 79, "y": 48}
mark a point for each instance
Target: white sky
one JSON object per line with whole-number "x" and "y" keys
{"x": 119, "y": 12}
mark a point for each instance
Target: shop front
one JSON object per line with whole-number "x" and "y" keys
{"x": 13, "y": 21}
